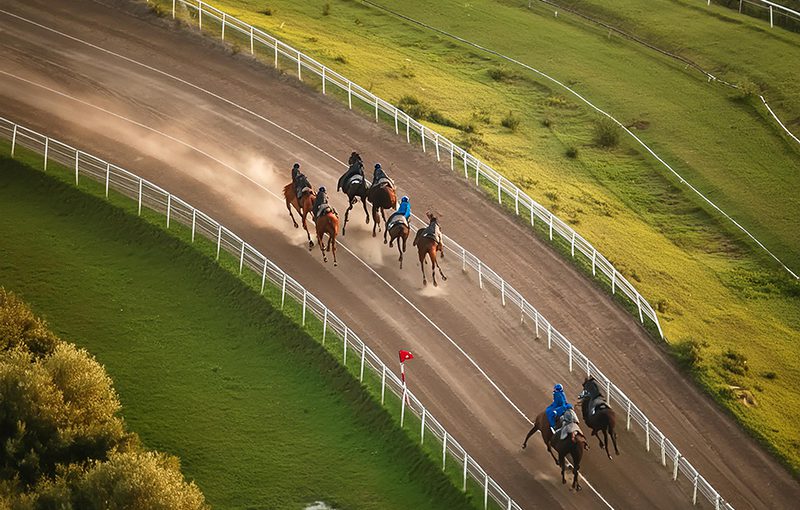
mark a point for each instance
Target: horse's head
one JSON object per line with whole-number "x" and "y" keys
{"x": 590, "y": 388}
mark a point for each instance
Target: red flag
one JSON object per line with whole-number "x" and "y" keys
{"x": 405, "y": 356}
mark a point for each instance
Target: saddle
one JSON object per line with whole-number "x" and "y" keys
{"x": 598, "y": 403}
{"x": 567, "y": 430}
{"x": 433, "y": 231}
{"x": 323, "y": 210}
{"x": 301, "y": 190}
{"x": 383, "y": 182}
{"x": 353, "y": 180}
{"x": 395, "y": 219}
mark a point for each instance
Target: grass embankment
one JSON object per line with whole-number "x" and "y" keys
{"x": 260, "y": 414}
{"x": 712, "y": 290}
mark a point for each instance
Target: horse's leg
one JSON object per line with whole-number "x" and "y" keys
{"x": 375, "y": 219}
{"x": 289, "y": 208}
{"x": 401, "y": 254}
{"x": 422, "y": 267}
{"x": 385, "y": 233}
{"x": 305, "y": 227}
{"x": 333, "y": 240}
{"x": 613, "y": 433}
{"x": 321, "y": 247}
{"x": 364, "y": 203}
{"x": 346, "y": 214}
{"x": 605, "y": 438}
{"x": 530, "y": 433}
{"x": 562, "y": 462}
{"x": 432, "y": 254}
{"x": 439, "y": 267}
{"x": 575, "y": 469}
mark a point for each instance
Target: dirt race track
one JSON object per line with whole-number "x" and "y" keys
{"x": 71, "y": 69}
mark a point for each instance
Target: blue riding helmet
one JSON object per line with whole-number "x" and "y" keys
{"x": 404, "y": 199}
{"x": 558, "y": 387}
{"x": 321, "y": 189}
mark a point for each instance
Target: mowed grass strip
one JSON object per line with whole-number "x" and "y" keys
{"x": 260, "y": 414}
{"x": 716, "y": 295}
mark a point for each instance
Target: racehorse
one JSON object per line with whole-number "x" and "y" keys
{"x": 428, "y": 242}
{"x": 355, "y": 187}
{"x": 328, "y": 223}
{"x": 382, "y": 197}
{"x": 573, "y": 445}
{"x": 304, "y": 206}
{"x": 597, "y": 414}
{"x": 397, "y": 231}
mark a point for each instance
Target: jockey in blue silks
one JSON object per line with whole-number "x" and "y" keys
{"x": 558, "y": 406}
{"x": 403, "y": 210}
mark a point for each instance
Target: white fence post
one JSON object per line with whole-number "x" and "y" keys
{"x": 486, "y": 491}
{"x": 200, "y": 15}
{"x": 350, "y": 95}
{"x": 573, "y": 244}
{"x": 499, "y": 188}
{"x": 223, "y": 26}
{"x": 477, "y": 172}
{"x": 283, "y": 291}
{"x": 46, "y": 150}
{"x": 614, "y": 281}
{"x": 551, "y": 226}
{"x": 383, "y": 383}
{"x": 444, "y": 450}
{"x": 570, "y": 357}
{"x": 252, "y": 48}
{"x": 771, "y": 25}
{"x": 422, "y": 135}
{"x": 647, "y": 433}
{"x": 323, "y": 80}
{"x": 628, "y": 424}
{"x": 663, "y": 452}
{"x": 376, "y": 108}
{"x": 452, "y": 164}
{"x": 422, "y": 428}
{"x": 516, "y": 202}
{"x": 14, "y": 141}
{"x": 466, "y": 175}
{"x": 169, "y": 206}
{"x": 503, "y": 292}
{"x": 363, "y": 354}
{"x": 140, "y": 203}
{"x": 219, "y": 240}
{"x": 325, "y": 328}
{"x": 694, "y": 491}
{"x": 466, "y": 459}
{"x": 344, "y": 346}
{"x": 480, "y": 275}
{"x": 676, "y": 460}
{"x": 276, "y": 53}
{"x": 299, "y": 75}
{"x": 408, "y": 130}
{"x": 194, "y": 222}
{"x": 396, "y": 126}
{"x": 594, "y": 261}
{"x": 264, "y": 278}
{"x": 403, "y": 407}
{"x": 173, "y": 9}
{"x": 436, "y": 142}
{"x": 108, "y": 176}
{"x": 639, "y": 306}
{"x": 76, "y": 172}
{"x": 305, "y": 297}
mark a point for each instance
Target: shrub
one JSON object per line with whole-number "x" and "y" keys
{"x": 502, "y": 74}
{"x": 572, "y": 152}
{"x": 546, "y": 122}
{"x": 745, "y": 90}
{"x": 769, "y": 375}
{"x": 340, "y": 58}
{"x": 267, "y": 11}
{"x": 510, "y": 121}
{"x": 734, "y": 362}
{"x": 419, "y": 110}
{"x": 689, "y": 353}
{"x": 19, "y": 327}
{"x": 326, "y": 9}
{"x": 606, "y": 133}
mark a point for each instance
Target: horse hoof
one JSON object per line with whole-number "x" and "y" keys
{"x": 435, "y": 284}
{"x": 424, "y": 283}
{"x": 374, "y": 234}
{"x": 524, "y": 446}
{"x": 335, "y": 264}
{"x": 444, "y": 278}
{"x": 578, "y": 488}
{"x": 385, "y": 242}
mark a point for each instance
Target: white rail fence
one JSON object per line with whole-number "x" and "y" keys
{"x": 772, "y": 7}
{"x": 459, "y": 159}
{"x": 153, "y": 197}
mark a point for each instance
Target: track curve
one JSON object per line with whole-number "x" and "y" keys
{"x": 66, "y": 81}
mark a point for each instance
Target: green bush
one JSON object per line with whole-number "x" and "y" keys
{"x": 734, "y": 362}
{"x": 689, "y": 352}
{"x": 421, "y": 111}
{"x": 326, "y": 9}
{"x": 510, "y": 121}
{"x": 571, "y": 152}
{"x": 606, "y": 133}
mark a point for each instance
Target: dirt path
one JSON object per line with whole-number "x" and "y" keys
{"x": 148, "y": 120}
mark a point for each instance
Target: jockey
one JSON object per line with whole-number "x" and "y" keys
{"x": 568, "y": 422}
{"x": 354, "y": 158}
{"x": 558, "y": 406}
{"x": 378, "y": 174}
{"x": 356, "y": 168}
{"x": 403, "y": 210}
{"x": 321, "y": 201}
{"x": 299, "y": 180}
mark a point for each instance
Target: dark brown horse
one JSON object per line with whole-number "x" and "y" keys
{"x": 328, "y": 223}
{"x": 598, "y": 415}
{"x": 573, "y": 445}
{"x": 383, "y": 198}
{"x": 429, "y": 242}
{"x": 304, "y": 206}
{"x": 354, "y": 184}
{"x": 398, "y": 231}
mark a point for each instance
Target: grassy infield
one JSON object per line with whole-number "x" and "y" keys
{"x": 709, "y": 285}
{"x": 261, "y": 415}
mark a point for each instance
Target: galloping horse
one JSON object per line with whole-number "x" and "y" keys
{"x": 428, "y": 242}
{"x": 304, "y": 206}
{"x": 328, "y": 223}
{"x": 382, "y": 197}
{"x": 397, "y": 230}
{"x": 355, "y": 186}
{"x": 597, "y": 414}
{"x": 573, "y": 445}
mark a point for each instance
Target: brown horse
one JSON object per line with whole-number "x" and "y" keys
{"x": 598, "y": 415}
{"x": 328, "y": 223}
{"x": 430, "y": 246}
{"x": 399, "y": 232}
{"x": 383, "y": 198}
{"x": 573, "y": 445}
{"x": 304, "y": 206}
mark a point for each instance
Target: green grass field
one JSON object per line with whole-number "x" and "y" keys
{"x": 261, "y": 415}
{"x": 709, "y": 285}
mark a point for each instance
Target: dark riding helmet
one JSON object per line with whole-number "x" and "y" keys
{"x": 377, "y": 166}
{"x": 558, "y": 387}
{"x": 296, "y": 165}
{"x": 322, "y": 189}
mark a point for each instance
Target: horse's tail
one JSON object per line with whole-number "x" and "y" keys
{"x": 416, "y": 237}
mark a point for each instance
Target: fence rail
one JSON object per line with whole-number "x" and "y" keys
{"x": 151, "y": 196}
{"x": 155, "y": 198}
{"x": 766, "y": 5}
{"x": 459, "y": 159}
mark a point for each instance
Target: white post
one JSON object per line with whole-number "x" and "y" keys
{"x": 465, "y": 470}
{"x": 323, "y": 80}
{"x": 549, "y": 334}
{"x": 531, "y": 213}
{"x": 663, "y": 452}
{"x": 628, "y": 425}
{"x": 444, "y": 450}
{"x": 383, "y": 383}
{"x": 305, "y": 297}
{"x": 452, "y": 166}
{"x": 570, "y": 357}
{"x": 264, "y": 277}
{"x": 283, "y": 291}
{"x": 608, "y": 390}
{"x": 694, "y": 491}
{"x": 344, "y": 353}
{"x": 46, "y": 149}
{"x": 463, "y": 260}
{"x": 717, "y": 500}
{"x": 639, "y": 305}
{"x": 436, "y": 142}
{"x": 363, "y": 354}
{"x": 376, "y": 108}
{"x": 403, "y": 407}
{"x": 466, "y": 175}
{"x": 647, "y": 433}
{"x": 551, "y": 226}
{"x": 594, "y": 258}
{"x": 614, "y": 281}
{"x": 522, "y": 310}
{"x": 173, "y": 9}
{"x": 771, "y": 25}
{"x": 200, "y": 15}
{"x": 503, "y": 292}
{"x": 223, "y": 26}
{"x": 408, "y": 130}
{"x": 140, "y": 197}
{"x": 219, "y": 240}
{"x": 275, "y": 41}
{"x": 573, "y": 247}
{"x": 252, "y": 49}
{"x": 169, "y": 207}
{"x": 422, "y": 428}
{"x": 396, "y": 126}
{"x": 675, "y": 466}
{"x": 299, "y": 75}
{"x": 108, "y": 176}
{"x": 76, "y": 170}
{"x": 325, "y": 329}
{"x": 480, "y": 274}
{"x": 740, "y": 6}
{"x": 516, "y": 202}
{"x": 486, "y": 491}
{"x": 14, "y": 141}
{"x": 587, "y": 367}
{"x": 477, "y": 172}
{"x": 499, "y": 188}
{"x": 194, "y": 222}
{"x": 422, "y": 135}
{"x": 350, "y": 94}
{"x": 536, "y": 320}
